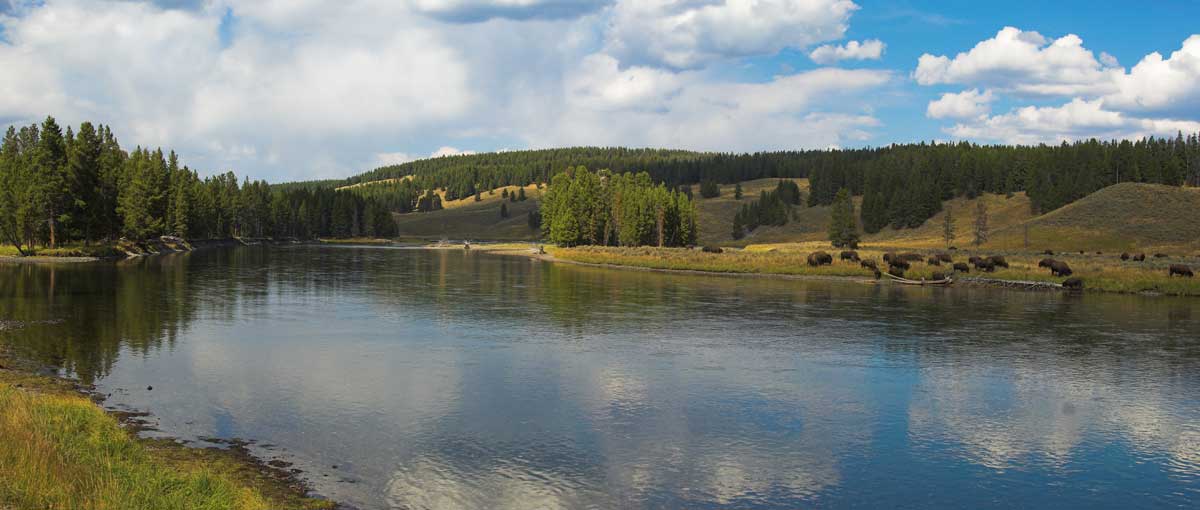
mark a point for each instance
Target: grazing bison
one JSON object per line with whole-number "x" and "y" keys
{"x": 849, "y": 255}
{"x": 937, "y": 276}
{"x": 1046, "y": 262}
{"x": 944, "y": 257}
{"x": 999, "y": 261}
{"x": 934, "y": 261}
{"x": 887, "y": 257}
{"x": 911, "y": 257}
{"x": 1181, "y": 270}
{"x": 1073, "y": 283}
{"x": 986, "y": 265}
{"x": 962, "y": 267}
{"x": 1048, "y": 252}
{"x": 1125, "y": 256}
{"x": 712, "y": 249}
{"x": 868, "y": 263}
{"x": 820, "y": 258}
{"x": 1060, "y": 268}
{"x": 974, "y": 260}
{"x": 1141, "y": 257}
{"x": 902, "y": 265}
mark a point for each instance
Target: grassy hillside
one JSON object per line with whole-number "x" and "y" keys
{"x": 1124, "y": 217}
{"x": 468, "y": 219}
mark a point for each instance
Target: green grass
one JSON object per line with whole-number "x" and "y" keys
{"x": 468, "y": 219}
{"x": 1099, "y": 272}
{"x": 61, "y": 451}
{"x": 71, "y": 250}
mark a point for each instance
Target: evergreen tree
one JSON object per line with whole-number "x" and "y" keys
{"x": 981, "y": 222}
{"x": 843, "y": 227}
{"x": 521, "y": 194}
{"x": 948, "y": 228}
{"x": 737, "y": 191}
{"x": 503, "y": 210}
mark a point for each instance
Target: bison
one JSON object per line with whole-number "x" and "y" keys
{"x": 986, "y": 265}
{"x": 897, "y": 263}
{"x": 1046, "y": 262}
{"x": 1125, "y": 256}
{"x": 887, "y": 257}
{"x": 999, "y": 261}
{"x": 1181, "y": 270}
{"x": 962, "y": 267}
{"x": 911, "y": 257}
{"x": 868, "y": 263}
{"x": 934, "y": 261}
{"x": 1073, "y": 284}
{"x": 1060, "y": 269}
{"x": 937, "y": 276}
{"x": 878, "y": 275}
{"x": 944, "y": 257}
{"x": 712, "y": 249}
{"x": 974, "y": 260}
{"x": 1161, "y": 255}
{"x": 820, "y": 258}
{"x": 896, "y": 271}
{"x": 1141, "y": 257}
{"x": 849, "y": 255}
{"x": 1048, "y": 252}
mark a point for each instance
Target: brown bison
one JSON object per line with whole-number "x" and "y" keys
{"x": 1060, "y": 268}
{"x": 1073, "y": 284}
{"x": 911, "y": 257}
{"x": 986, "y": 265}
{"x": 868, "y": 263}
{"x": 1046, "y": 262}
{"x": 1125, "y": 256}
{"x": 944, "y": 257}
{"x": 901, "y": 264}
{"x": 849, "y": 255}
{"x": 937, "y": 276}
{"x": 1179, "y": 269}
{"x": 887, "y": 257}
{"x": 1141, "y": 257}
{"x": 962, "y": 267}
{"x": 1048, "y": 252}
{"x": 999, "y": 261}
{"x": 934, "y": 261}
{"x": 819, "y": 258}
{"x": 878, "y": 275}
{"x": 974, "y": 260}
{"x": 712, "y": 249}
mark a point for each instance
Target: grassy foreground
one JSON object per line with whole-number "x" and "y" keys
{"x": 59, "y": 450}
{"x": 1099, "y": 272}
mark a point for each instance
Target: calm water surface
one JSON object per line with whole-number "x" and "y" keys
{"x": 465, "y": 380}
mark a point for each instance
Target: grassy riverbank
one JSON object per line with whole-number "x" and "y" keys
{"x": 68, "y": 251}
{"x": 62, "y": 451}
{"x": 1099, "y": 272}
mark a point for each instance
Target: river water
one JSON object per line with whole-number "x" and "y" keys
{"x": 448, "y": 379}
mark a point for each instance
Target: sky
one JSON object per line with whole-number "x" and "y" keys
{"x": 305, "y": 89}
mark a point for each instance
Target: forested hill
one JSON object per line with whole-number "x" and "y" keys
{"x": 902, "y": 185}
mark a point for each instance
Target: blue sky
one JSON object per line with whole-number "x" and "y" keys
{"x": 301, "y": 89}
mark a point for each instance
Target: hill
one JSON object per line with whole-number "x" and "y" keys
{"x": 1123, "y": 217}
{"x": 471, "y": 220}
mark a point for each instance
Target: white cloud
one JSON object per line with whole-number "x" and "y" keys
{"x": 870, "y": 49}
{"x": 1022, "y": 62}
{"x": 683, "y": 34}
{"x": 1158, "y": 85}
{"x": 449, "y": 151}
{"x": 1078, "y": 119}
{"x": 963, "y": 105}
{"x": 480, "y": 10}
{"x": 392, "y": 158}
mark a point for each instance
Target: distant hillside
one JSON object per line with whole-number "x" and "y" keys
{"x": 471, "y": 220}
{"x": 1126, "y": 216}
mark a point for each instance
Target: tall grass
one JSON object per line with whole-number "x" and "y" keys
{"x": 61, "y": 451}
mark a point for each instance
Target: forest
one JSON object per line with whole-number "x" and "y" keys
{"x": 61, "y": 187}
{"x": 582, "y": 207}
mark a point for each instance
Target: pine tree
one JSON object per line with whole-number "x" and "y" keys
{"x": 503, "y": 210}
{"x": 521, "y": 195}
{"x": 843, "y": 227}
{"x": 948, "y": 227}
{"x": 737, "y": 191}
{"x": 981, "y": 222}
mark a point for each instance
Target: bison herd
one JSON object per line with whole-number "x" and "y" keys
{"x": 897, "y": 264}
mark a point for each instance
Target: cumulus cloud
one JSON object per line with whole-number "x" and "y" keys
{"x": 299, "y": 89}
{"x": 1158, "y": 85}
{"x": 467, "y": 11}
{"x": 870, "y": 49}
{"x": 683, "y": 34}
{"x": 963, "y": 105}
{"x": 1156, "y": 97}
{"x": 1078, "y": 119}
{"x": 1022, "y": 62}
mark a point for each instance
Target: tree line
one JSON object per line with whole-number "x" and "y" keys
{"x": 582, "y": 207}
{"x": 771, "y": 208}
{"x": 61, "y": 187}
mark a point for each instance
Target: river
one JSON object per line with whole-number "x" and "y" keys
{"x": 406, "y": 378}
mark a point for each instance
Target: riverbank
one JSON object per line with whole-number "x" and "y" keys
{"x": 1100, "y": 273}
{"x": 63, "y": 450}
